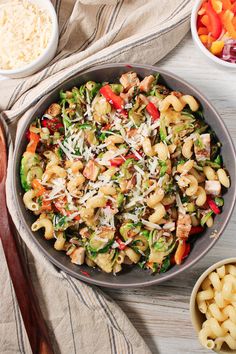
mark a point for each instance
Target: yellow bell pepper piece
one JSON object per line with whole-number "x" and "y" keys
{"x": 217, "y": 47}
{"x": 217, "y": 6}
{"x": 206, "y": 39}
{"x": 227, "y": 21}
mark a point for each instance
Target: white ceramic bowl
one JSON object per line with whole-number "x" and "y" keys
{"x": 47, "y": 54}
{"x": 198, "y": 43}
{"x": 196, "y": 316}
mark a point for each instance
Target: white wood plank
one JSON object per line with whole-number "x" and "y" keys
{"x": 161, "y": 313}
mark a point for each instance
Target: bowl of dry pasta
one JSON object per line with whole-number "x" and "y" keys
{"x": 122, "y": 175}
{"x": 213, "y": 307}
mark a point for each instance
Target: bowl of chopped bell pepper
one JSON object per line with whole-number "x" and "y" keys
{"x": 213, "y": 26}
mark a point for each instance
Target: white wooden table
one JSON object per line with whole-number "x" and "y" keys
{"x": 161, "y": 313}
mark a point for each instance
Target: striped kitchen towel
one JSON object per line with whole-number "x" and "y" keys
{"x": 81, "y": 318}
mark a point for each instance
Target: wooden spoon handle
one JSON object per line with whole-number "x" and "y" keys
{"x": 33, "y": 320}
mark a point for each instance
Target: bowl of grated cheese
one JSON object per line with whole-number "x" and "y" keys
{"x": 29, "y": 36}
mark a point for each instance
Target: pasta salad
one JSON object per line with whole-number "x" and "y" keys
{"x": 123, "y": 173}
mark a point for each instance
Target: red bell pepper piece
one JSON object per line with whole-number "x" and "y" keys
{"x": 215, "y": 22}
{"x": 182, "y": 251}
{"x": 199, "y": 22}
{"x": 153, "y": 111}
{"x": 187, "y": 250}
{"x": 131, "y": 156}
{"x": 122, "y": 245}
{"x": 38, "y": 187}
{"x": 116, "y": 101}
{"x": 106, "y": 127}
{"x": 34, "y": 139}
{"x": 213, "y": 205}
{"x": 117, "y": 161}
{"x": 233, "y": 8}
{"x": 196, "y": 230}
{"x": 53, "y": 124}
{"x": 46, "y": 205}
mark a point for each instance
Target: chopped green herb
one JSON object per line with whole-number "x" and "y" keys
{"x": 165, "y": 265}
{"x": 145, "y": 233}
{"x": 60, "y": 221}
{"x": 218, "y": 160}
{"x": 163, "y": 169}
{"x": 162, "y": 131}
{"x": 219, "y": 201}
{"x": 205, "y": 218}
{"x": 142, "y": 264}
{"x": 85, "y": 126}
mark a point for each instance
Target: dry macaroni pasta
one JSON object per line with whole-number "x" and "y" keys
{"x": 124, "y": 173}
{"x": 216, "y": 299}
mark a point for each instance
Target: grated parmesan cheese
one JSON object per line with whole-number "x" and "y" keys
{"x": 155, "y": 125}
{"x": 139, "y": 170}
{"x": 87, "y": 196}
{"x": 169, "y": 226}
{"x": 115, "y": 245}
{"x": 151, "y": 225}
{"x": 160, "y": 181}
{"x": 107, "y": 218}
{"x": 58, "y": 189}
{"x": 179, "y": 204}
{"x": 25, "y": 31}
{"x": 66, "y": 151}
{"x": 72, "y": 216}
{"x": 153, "y": 165}
{"x": 128, "y": 216}
{"x": 137, "y": 154}
{"x": 133, "y": 202}
{"x": 150, "y": 189}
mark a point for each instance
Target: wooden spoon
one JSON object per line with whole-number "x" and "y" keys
{"x": 33, "y": 320}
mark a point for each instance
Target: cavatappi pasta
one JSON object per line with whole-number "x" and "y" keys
{"x": 123, "y": 173}
{"x": 216, "y": 299}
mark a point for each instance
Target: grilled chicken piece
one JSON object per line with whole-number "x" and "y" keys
{"x": 128, "y": 95}
{"x": 183, "y": 226}
{"x": 129, "y": 80}
{"x": 91, "y": 170}
{"x": 54, "y": 110}
{"x": 213, "y": 187}
{"x": 146, "y": 83}
{"x": 202, "y": 148}
{"x": 77, "y": 257}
